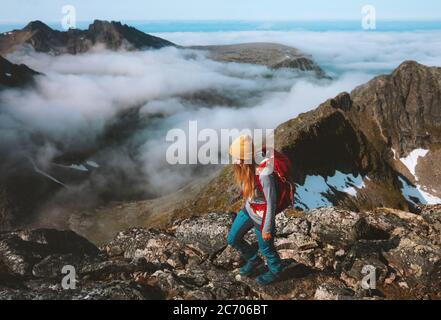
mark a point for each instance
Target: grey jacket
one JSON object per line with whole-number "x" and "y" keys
{"x": 270, "y": 197}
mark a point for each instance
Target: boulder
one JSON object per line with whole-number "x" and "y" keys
{"x": 20, "y": 251}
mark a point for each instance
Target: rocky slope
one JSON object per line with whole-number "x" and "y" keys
{"x": 111, "y": 35}
{"x": 324, "y": 251}
{"x": 13, "y": 75}
{"x": 272, "y": 55}
{"x": 376, "y": 147}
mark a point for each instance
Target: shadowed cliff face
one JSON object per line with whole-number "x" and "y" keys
{"x": 401, "y": 110}
{"x": 400, "y": 114}
{"x": 272, "y": 55}
{"x": 356, "y": 135}
{"x": 112, "y": 35}
{"x": 13, "y": 75}
{"x": 24, "y": 191}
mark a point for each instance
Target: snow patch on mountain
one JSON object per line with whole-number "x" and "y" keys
{"x": 416, "y": 195}
{"x": 312, "y": 194}
{"x": 45, "y": 174}
{"x": 78, "y": 167}
{"x": 92, "y": 164}
{"x": 411, "y": 161}
{"x": 346, "y": 183}
{"x": 395, "y": 153}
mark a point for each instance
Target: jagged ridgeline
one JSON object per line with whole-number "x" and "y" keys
{"x": 113, "y": 35}
{"x": 378, "y": 146}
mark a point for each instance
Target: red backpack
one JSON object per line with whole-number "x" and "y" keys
{"x": 282, "y": 173}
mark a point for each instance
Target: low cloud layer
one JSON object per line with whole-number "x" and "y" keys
{"x": 115, "y": 108}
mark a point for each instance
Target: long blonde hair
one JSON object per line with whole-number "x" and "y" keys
{"x": 244, "y": 175}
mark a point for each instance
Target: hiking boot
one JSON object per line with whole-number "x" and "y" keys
{"x": 267, "y": 278}
{"x": 250, "y": 267}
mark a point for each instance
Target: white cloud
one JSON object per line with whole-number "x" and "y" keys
{"x": 80, "y": 95}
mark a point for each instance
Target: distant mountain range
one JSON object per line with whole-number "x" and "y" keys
{"x": 112, "y": 35}
{"x": 272, "y": 55}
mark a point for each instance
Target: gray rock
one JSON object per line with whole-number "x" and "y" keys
{"x": 156, "y": 247}
{"x": 111, "y": 290}
{"x": 324, "y": 252}
{"x": 228, "y": 259}
{"x": 52, "y": 265}
{"x": 330, "y": 291}
{"x": 21, "y": 250}
{"x": 209, "y": 232}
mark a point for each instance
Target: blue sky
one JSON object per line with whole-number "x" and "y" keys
{"x": 50, "y": 10}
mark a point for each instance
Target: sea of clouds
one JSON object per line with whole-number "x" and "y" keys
{"x": 80, "y": 99}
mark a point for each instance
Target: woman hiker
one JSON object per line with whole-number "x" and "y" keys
{"x": 266, "y": 192}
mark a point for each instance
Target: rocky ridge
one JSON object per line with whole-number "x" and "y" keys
{"x": 325, "y": 253}
{"x": 112, "y": 35}
{"x": 271, "y": 55}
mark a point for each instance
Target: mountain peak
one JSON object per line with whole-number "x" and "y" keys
{"x": 37, "y": 25}
{"x": 410, "y": 64}
{"x": 99, "y": 24}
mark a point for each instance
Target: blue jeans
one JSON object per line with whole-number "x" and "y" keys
{"x": 241, "y": 225}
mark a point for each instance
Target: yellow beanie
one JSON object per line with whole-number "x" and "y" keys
{"x": 242, "y": 148}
